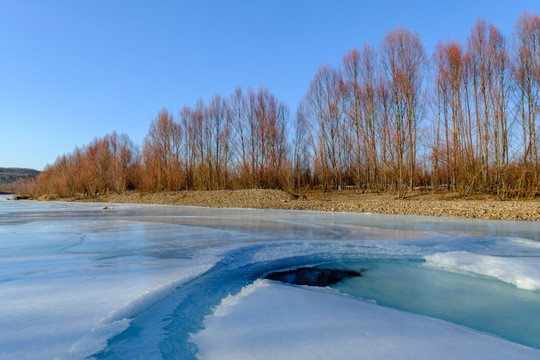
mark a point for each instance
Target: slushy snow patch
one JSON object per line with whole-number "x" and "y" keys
{"x": 524, "y": 273}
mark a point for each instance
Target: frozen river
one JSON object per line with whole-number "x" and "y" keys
{"x": 157, "y": 282}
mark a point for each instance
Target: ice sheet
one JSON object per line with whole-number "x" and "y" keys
{"x": 66, "y": 286}
{"x": 68, "y": 307}
{"x": 268, "y": 320}
{"x": 78, "y": 280}
{"x": 521, "y": 272}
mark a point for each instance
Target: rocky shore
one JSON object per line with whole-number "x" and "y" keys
{"x": 348, "y": 201}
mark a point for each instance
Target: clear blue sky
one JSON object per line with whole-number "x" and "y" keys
{"x": 71, "y": 71}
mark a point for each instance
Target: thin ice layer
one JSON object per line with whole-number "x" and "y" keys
{"x": 521, "y": 272}
{"x": 66, "y": 289}
{"x": 74, "y": 275}
{"x": 268, "y": 320}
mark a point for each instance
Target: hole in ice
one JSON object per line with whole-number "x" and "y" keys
{"x": 312, "y": 276}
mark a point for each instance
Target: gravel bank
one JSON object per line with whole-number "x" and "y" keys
{"x": 349, "y": 201}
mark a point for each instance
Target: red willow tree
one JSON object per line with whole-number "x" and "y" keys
{"x": 325, "y": 123}
{"x": 490, "y": 81}
{"x": 162, "y": 160}
{"x": 526, "y": 74}
{"x": 363, "y": 117}
{"x": 236, "y": 143}
{"x": 108, "y": 164}
{"x": 453, "y": 147}
{"x": 208, "y": 144}
{"x": 404, "y": 64}
{"x": 359, "y": 72}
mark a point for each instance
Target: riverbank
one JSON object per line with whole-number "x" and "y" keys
{"x": 346, "y": 200}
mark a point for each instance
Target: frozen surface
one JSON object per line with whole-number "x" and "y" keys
{"x": 66, "y": 286}
{"x": 268, "y": 318}
{"x": 80, "y": 281}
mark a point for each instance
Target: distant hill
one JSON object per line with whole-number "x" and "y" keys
{"x": 9, "y": 176}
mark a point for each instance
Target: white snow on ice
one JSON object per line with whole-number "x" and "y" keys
{"x": 523, "y": 273}
{"x": 269, "y": 320}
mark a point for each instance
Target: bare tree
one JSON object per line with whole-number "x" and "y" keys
{"x": 300, "y": 147}
{"x": 217, "y": 131}
{"x": 486, "y": 50}
{"x": 161, "y": 153}
{"x": 124, "y": 158}
{"x": 240, "y": 136}
{"x": 352, "y": 104}
{"x": 450, "y": 67}
{"x": 323, "y": 105}
{"x": 526, "y": 75}
{"x": 403, "y": 60}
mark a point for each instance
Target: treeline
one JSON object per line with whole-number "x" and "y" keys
{"x": 10, "y": 176}
{"x": 386, "y": 118}
{"x": 235, "y": 142}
